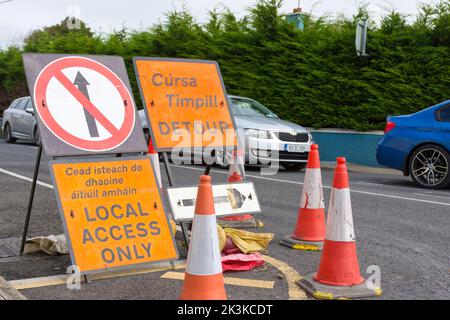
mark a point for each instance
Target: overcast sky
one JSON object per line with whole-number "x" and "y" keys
{"x": 19, "y": 17}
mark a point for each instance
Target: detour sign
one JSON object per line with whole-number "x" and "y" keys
{"x": 112, "y": 213}
{"x": 186, "y": 103}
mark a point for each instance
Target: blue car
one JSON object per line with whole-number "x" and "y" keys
{"x": 419, "y": 145}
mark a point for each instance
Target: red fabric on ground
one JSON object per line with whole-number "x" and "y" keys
{"x": 241, "y": 262}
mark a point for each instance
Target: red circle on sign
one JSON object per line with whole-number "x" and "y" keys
{"x": 54, "y": 70}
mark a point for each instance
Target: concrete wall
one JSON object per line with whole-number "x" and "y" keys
{"x": 357, "y": 147}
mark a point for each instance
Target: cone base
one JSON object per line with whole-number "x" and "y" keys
{"x": 295, "y": 244}
{"x": 337, "y": 284}
{"x": 326, "y": 292}
{"x": 209, "y": 287}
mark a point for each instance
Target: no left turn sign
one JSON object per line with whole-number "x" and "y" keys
{"x": 85, "y": 105}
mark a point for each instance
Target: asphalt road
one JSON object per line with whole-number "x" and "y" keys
{"x": 400, "y": 228}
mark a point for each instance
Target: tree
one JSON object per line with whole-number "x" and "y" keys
{"x": 312, "y": 77}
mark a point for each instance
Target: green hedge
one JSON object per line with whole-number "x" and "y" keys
{"x": 312, "y": 77}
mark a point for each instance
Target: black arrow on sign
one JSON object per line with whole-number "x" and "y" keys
{"x": 235, "y": 198}
{"x": 82, "y": 83}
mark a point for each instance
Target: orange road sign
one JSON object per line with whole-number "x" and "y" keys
{"x": 186, "y": 103}
{"x": 112, "y": 213}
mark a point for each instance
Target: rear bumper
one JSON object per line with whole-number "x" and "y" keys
{"x": 389, "y": 155}
{"x": 281, "y": 157}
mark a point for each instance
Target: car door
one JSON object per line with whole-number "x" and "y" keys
{"x": 29, "y": 119}
{"x": 443, "y": 117}
{"x": 8, "y": 113}
{"x": 16, "y": 120}
{"x": 19, "y": 119}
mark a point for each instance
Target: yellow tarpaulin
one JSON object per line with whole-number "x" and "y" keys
{"x": 246, "y": 241}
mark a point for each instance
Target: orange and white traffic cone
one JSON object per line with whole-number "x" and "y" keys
{"x": 338, "y": 275}
{"x": 204, "y": 278}
{"x": 155, "y": 160}
{"x": 236, "y": 174}
{"x": 309, "y": 232}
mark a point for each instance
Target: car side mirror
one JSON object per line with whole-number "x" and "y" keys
{"x": 30, "y": 111}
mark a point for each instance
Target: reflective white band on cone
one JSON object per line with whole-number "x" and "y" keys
{"x": 237, "y": 164}
{"x": 234, "y": 167}
{"x": 312, "y": 195}
{"x": 340, "y": 217}
{"x": 155, "y": 161}
{"x": 241, "y": 162}
{"x": 204, "y": 256}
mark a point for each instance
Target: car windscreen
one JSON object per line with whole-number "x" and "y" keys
{"x": 246, "y": 107}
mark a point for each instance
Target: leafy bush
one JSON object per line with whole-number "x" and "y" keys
{"x": 312, "y": 77}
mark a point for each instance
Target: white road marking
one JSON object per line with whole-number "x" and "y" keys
{"x": 15, "y": 175}
{"x": 256, "y": 177}
{"x": 430, "y": 195}
{"x": 368, "y": 183}
{"x": 327, "y": 187}
{"x": 19, "y": 145}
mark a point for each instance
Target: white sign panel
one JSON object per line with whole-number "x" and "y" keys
{"x": 229, "y": 200}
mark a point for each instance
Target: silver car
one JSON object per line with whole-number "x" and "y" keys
{"x": 19, "y": 122}
{"x": 267, "y": 137}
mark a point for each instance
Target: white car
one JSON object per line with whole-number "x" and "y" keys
{"x": 267, "y": 137}
{"x": 19, "y": 122}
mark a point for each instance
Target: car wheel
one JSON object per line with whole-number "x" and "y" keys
{"x": 8, "y": 134}
{"x": 294, "y": 166}
{"x": 429, "y": 167}
{"x": 37, "y": 137}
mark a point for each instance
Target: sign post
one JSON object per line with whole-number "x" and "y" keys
{"x": 361, "y": 38}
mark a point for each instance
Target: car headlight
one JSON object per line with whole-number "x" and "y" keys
{"x": 256, "y": 133}
{"x": 311, "y": 138}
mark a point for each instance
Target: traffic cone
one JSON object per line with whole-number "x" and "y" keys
{"x": 204, "y": 278}
{"x": 236, "y": 174}
{"x": 309, "y": 232}
{"x": 338, "y": 275}
{"x": 241, "y": 162}
{"x": 155, "y": 160}
{"x": 311, "y": 218}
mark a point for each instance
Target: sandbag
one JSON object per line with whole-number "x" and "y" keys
{"x": 51, "y": 245}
